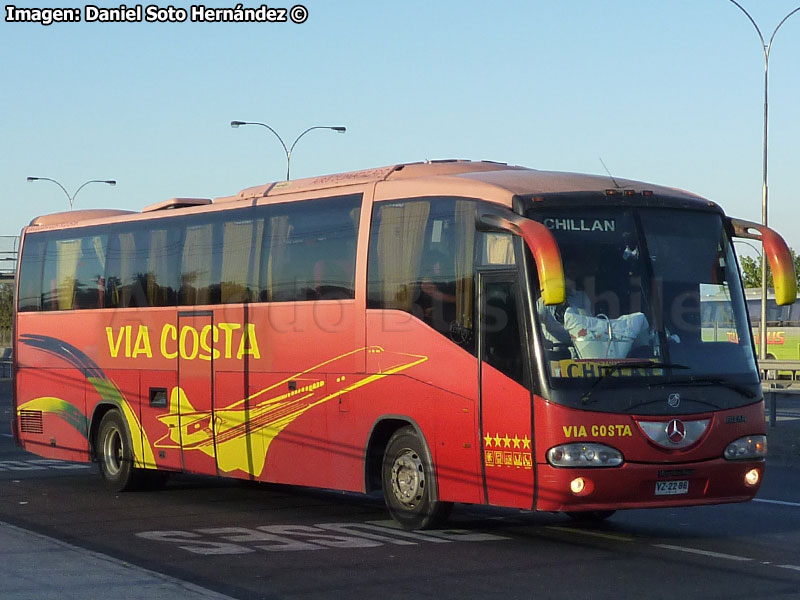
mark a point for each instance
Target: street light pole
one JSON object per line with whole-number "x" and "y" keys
{"x": 287, "y": 150}
{"x": 766, "y": 47}
{"x": 83, "y": 185}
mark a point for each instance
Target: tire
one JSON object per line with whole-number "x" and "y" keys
{"x": 409, "y": 483}
{"x": 114, "y": 452}
{"x": 591, "y": 516}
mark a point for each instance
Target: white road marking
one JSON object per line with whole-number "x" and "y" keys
{"x": 589, "y": 532}
{"x": 703, "y": 552}
{"x": 781, "y": 502}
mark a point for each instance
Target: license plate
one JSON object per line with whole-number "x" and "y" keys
{"x": 672, "y": 488}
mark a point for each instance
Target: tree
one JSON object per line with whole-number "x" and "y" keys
{"x": 751, "y": 270}
{"x": 6, "y": 301}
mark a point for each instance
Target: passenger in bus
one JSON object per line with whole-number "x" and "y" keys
{"x": 437, "y": 293}
{"x": 572, "y": 330}
{"x": 552, "y": 317}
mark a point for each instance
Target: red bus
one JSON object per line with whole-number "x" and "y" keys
{"x": 445, "y": 332}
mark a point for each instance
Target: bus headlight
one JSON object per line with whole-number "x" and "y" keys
{"x": 584, "y": 455}
{"x": 747, "y": 448}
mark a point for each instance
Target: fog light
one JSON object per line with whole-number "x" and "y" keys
{"x": 752, "y": 477}
{"x": 577, "y": 485}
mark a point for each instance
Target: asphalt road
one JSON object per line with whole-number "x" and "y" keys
{"x": 261, "y": 541}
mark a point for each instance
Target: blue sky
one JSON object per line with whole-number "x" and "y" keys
{"x": 669, "y": 92}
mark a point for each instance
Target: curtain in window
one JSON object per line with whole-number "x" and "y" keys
{"x": 158, "y": 269}
{"x": 68, "y": 252}
{"x": 196, "y": 271}
{"x": 279, "y": 230}
{"x": 238, "y": 237}
{"x": 499, "y": 249}
{"x": 127, "y": 250}
{"x": 401, "y": 238}
{"x": 464, "y": 255}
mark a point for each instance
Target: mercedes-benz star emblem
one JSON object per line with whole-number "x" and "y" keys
{"x": 675, "y": 431}
{"x": 674, "y": 400}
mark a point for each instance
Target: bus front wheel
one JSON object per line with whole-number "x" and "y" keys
{"x": 114, "y": 451}
{"x": 409, "y": 484}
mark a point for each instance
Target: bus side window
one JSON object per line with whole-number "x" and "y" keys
{"x": 58, "y": 281}
{"x": 196, "y": 264}
{"x": 794, "y": 314}
{"x": 30, "y": 275}
{"x": 240, "y": 260}
{"x": 421, "y": 261}
{"x": 90, "y": 272}
{"x": 309, "y": 250}
{"x": 497, "y": 249}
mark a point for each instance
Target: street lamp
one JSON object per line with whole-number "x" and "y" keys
{"x": 288, "y": 150}
{"x": 72, "y": 197}
{"x": 766, "y": 46}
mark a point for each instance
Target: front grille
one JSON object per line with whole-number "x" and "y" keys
{"x": 30, "y": 421}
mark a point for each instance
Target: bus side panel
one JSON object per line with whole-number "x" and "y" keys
{"x": 51, "y": 411}
{"x": 50, "y": 393}
{"x": 424, "y": 376}
{"x": 302, "y": 356}
{"x": 120, "y": 388}
{"x": 158, "y": 423}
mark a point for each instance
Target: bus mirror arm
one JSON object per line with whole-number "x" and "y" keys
{"x": 542, "y": 245}
{"x": 778, "y": 254}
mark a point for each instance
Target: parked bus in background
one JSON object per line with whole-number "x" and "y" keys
{"x": 445, "y": 332}
{"x": 783, "y": 323}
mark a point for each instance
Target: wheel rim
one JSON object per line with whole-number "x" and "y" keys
{"x": 408, "y": 479}
{"x": 112, "y": 452}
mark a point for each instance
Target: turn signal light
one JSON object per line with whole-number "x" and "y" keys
{"x": 747, "y": 448}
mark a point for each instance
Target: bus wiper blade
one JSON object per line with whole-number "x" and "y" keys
{"x": 740, "y": 389}
{"x": 641, "y": 364}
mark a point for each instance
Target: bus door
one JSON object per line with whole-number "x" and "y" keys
{"x": 506, "y": 418}
{"x": 195, "y": 397}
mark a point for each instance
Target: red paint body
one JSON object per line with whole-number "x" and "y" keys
{"x": 298, "y": 402}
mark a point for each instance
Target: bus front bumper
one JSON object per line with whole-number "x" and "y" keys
{"x": 637, "y": 485}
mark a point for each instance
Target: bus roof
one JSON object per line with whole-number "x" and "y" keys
{"x": 453, "y": 174}
{"x": 496, "y": 182}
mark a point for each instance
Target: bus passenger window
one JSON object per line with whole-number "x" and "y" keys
{"x": 421, "y": 261}
{"x": 309, "y": 250}
{"x": 89, "y": 272}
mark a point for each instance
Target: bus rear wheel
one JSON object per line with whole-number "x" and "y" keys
{"x": 114, "y": 451}
{"x": 409, "y": 484}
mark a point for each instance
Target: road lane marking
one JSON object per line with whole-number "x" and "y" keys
{"x": 321, "y": 536}
{"x": 589, "y": 532}
{"x": 793, "y": 567}
{"x": 781, "y": 502}
{"x": 703, "y": 552}
{"x": 40, "y": 464}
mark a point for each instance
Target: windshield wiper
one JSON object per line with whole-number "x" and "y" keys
{"x": 741, "y": 389}
{"x": 642, "y": 364}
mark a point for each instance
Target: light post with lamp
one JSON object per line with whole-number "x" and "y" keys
{"x": 287, "y": 150}
{"x": 766, "y": 47}
{"x": 72, "y": 197}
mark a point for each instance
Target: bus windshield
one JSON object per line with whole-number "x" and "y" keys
{"x": 632, "y": 333}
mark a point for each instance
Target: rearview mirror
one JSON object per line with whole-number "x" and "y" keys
{"x": 778, "y": 254}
